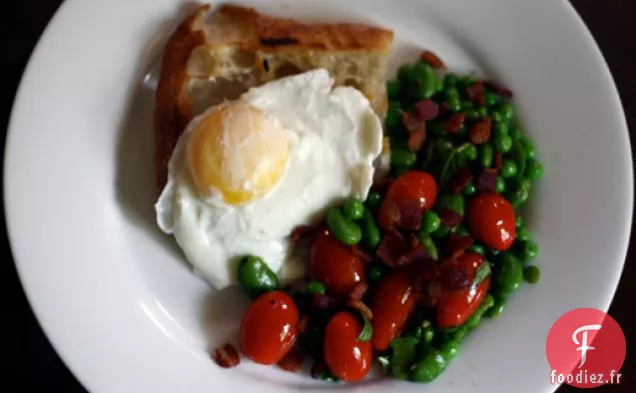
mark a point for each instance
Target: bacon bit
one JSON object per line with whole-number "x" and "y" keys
{"x": 427, "y": 110}
{"x": 454, "y": 277}
{"x": 476, "y": 93}
{"x": 322, "y": 302}
{"x": 226, "y": 356}
{"x": 486, "y": 181}
{"x": 498, "y": 161}
{"x": 359, "y": 291}
{"x": 363, "y": 256}
{"x": 391, "y": 248}
{"x": 498, "y": 89}
{"x": 300, "y": 232}
{"x": 449, "y": 218}
{"x": 434, "y": 291}
{"x": 381, "y": 184}
{"x": 457, "y": 245}
{"x": 302, "y": 324}
{"x": 412, "y": 123}
{"x": 318, "y": 368}
{"x": 363, "y": 308}
{"x": 460, "y": 180}
{"x": 418, "y": 254}
{"x": 414, "y": 242}
{"x": 480, "y": 132}
{"x": 432, "y": 59}
{"x": 292, "y": 361}
{"x": 416, "y": 140}
{"x": 453, "y": 124}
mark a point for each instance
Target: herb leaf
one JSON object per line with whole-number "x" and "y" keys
{"x": 455, "y": 160}
{"x": 367, "y": 330}
{"x": 483, "y": 271}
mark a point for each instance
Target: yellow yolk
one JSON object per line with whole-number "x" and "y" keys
{"x": 237, "y": 151}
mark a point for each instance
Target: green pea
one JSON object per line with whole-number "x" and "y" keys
{"x": 460, "y": 333}
{"x": 429, "y": 244}
{"x": 508, "y": 169}
{"x": 519, "y": 221}
{"x": 442, "y": 231}
{"x": 405, "y": 74}
{"x": 375, "y": 273}
{"x": 342, "y": 229}
{"x": 402, "y": 158}
{"x": 472, "y": 115}
{"x": 470, "y": 189}
{"x": 503, "y": 142}
{"x": 477, "y": 249}
{"x": 501, "y": 128}
{"x": 496, "y": 117}
{"x": 454, "y": 202}
{"x": 498, "y": 306}
{"x": 515, "y": 134}
{"x": 483, "y": 112}
{"x": 429, "y": 368}
{"x": 370, "y": 231}
{"x": 485, "y": 156}
{"x": 426, "y": 80}
{"x": 528, "y": 250}
{"x": 393, "y": 89}
{"x": 532, "y": 274}
{"x": 454, "y": 105}
{"x": 315, "y": 287}
{"x": 509, "y": 273}
{"x": 500, "y": 186}
{"x": 523, "y": 234}
{"x": 430, "y": 221}
{"x": 470, "y": 152}
{"x": 466, "y": 81}
{"x": 534, "y": 169}
{"x": 450, "y": 80}
{"x": 519, "y": 192}
{"x": 444, "y": 147}
{"x": 507, "y": 110}
{"x": 450, "y": 349}
{"x": 255, "y": 277}
{"x": 528, "y": 147}
{"x": 466, "y": 105}
{"x": 451, "y": 94}
{"x": 403, "y": 351}
{"x": 373, "y": 199}
{"x": 353, "y": 209}
{"x": 393, "y": 114}
{"x": 491, "y": 99}
{"x": 519, "y": 156}
{"x": 474, "y": 320}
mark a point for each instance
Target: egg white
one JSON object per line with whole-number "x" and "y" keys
{"x": 335, "y": 137}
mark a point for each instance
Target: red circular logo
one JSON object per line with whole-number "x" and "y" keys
{"x": 585, "y": 348}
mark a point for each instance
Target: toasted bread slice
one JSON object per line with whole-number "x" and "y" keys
{"x": 215, "y": 56}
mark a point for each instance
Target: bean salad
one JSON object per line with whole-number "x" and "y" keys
{"x": 400, "y": 279}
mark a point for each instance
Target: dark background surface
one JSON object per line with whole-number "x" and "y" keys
{"x": 34, "y": 365}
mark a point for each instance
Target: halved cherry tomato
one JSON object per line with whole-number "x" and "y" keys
{"x": 335, "y": 264}
{"x": 456, "y": 305}
{"x": 406, "y": 198}
{"x": 347, "y": 358}
{"x": 268, "y": 329}
{"x": 491, "y": 220}
{"x": 393, "y": 303}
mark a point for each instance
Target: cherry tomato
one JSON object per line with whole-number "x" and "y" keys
{"x": 268, "y": 329}
{"x": 455, "y": 306}
{"x": 412, "y": 192}
{"x": 392, "y": 304}
{"x": 347, "y": 358}
{"x": 491, "y": 220}
{"x": 335, "y": 264}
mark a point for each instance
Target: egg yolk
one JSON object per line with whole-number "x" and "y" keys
{"x": 237, "y": 151}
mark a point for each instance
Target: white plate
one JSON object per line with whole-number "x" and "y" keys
{"x": 124, "y": 311}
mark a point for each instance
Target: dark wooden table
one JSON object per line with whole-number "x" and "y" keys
{"x": 33, "y": 365}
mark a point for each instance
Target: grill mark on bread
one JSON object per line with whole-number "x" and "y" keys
{"x": 278, "y": 41}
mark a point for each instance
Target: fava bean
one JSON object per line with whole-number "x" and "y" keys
{"x": 345, "y": 231}
{"x": 508, "y": 273}
{"x": 255, "y": 277}
{"x": 370, "y": 231}
{"x": 498, "y": 307}
{"x": 454, "y": 202}
{"x": 485, "y": 156}
{"x": 430, "y": 221}
{"x": 402, "y": 159}
{"x": 373, "y": 199}
{"x": 532, "y": 274}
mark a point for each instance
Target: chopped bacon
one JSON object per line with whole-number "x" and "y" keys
{"x": 432, "y": 59}
{"x": 301, "y": 231}
{"x": 292, "y": 361}
{"x": 359, "y": 291}
{"x": 498, "y": 89}
{"x": 434, "y": 292}
{"x": 457, "y": 245}
{"x": 449, "y": 218}
{"x": 460, "y": 180}
{"x": 226, "y": 356}
{"x": 427, "y": 110}
{"x": 480, "y": 132}
{"x": 361, "y": 307}
{"x": 417, "y": 254}
{"x": 302, "y": 324}
{"x": 391, "y": 248}
{"x": 476, "y": 93}
{"x": 416, "y": 128}
{"x": 454, "y": 277}
{"x": 453, "y": 124}
{"x": 486, "y": 181}
{"x": 416, "y": 140}
{"x": 498, "y": 161}
{"x": 363, "y": 256}
{"x": 405, "y": 214}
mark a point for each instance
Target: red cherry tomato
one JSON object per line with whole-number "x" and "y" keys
{"x": 455, "y": 306}
{"x": 347, "y": 358}
{"x": 335, "y": 264}
{"x": 407, "y": 196}
{"x": 392, "y": 304}
{"x": 491, "y": 220}
{"x": 268, "y": 329}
